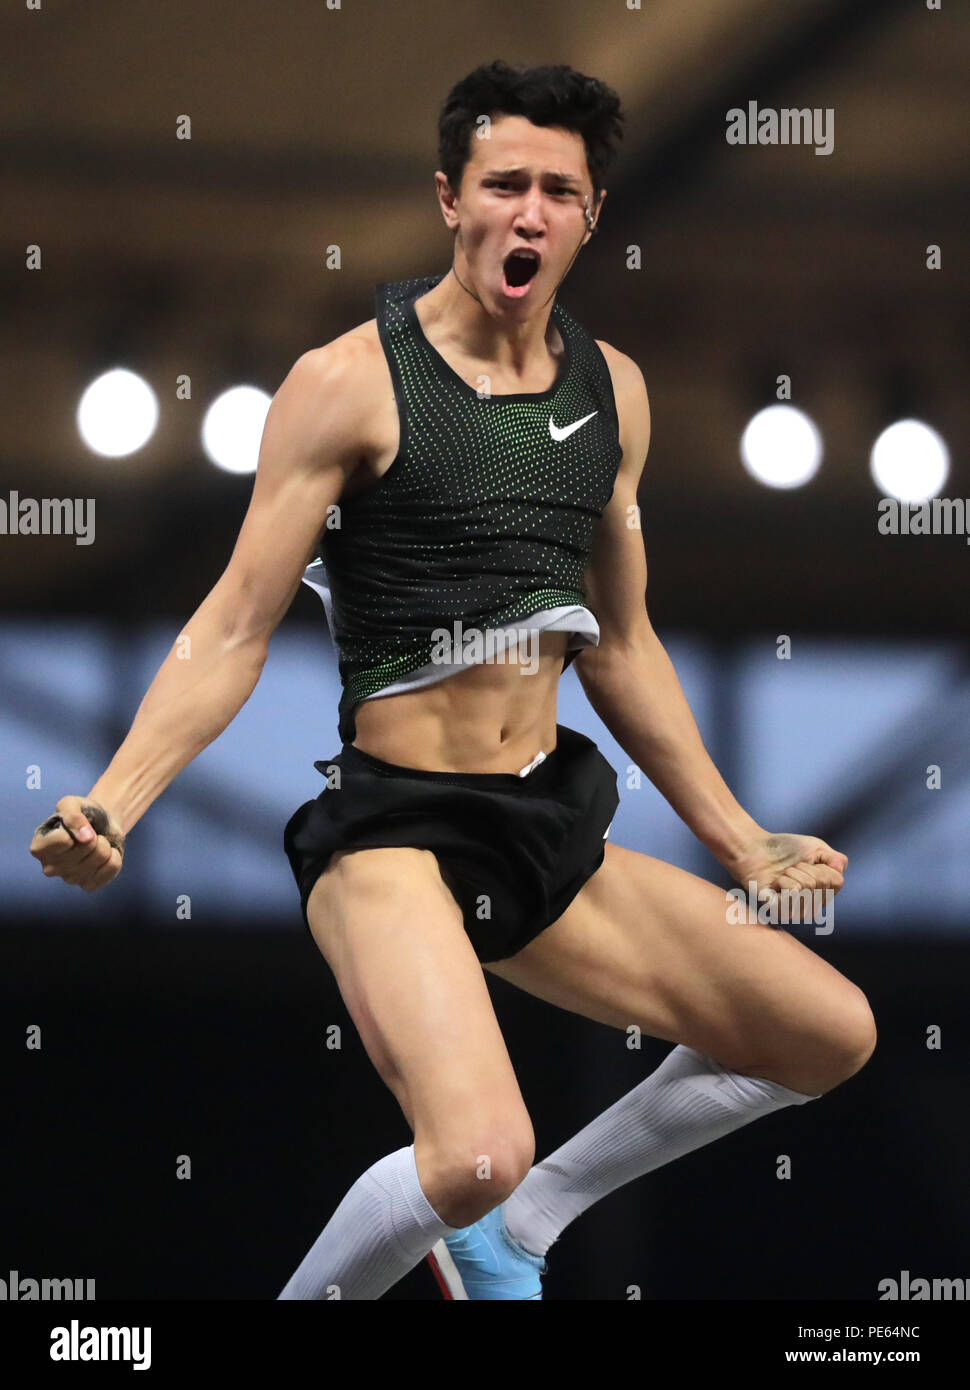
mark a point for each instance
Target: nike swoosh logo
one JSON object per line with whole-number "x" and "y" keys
{"x": 567, "y": 430}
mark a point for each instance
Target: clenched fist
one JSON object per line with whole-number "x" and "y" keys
{"x": 80, "y": 844}
{"x": 788, "y": 864}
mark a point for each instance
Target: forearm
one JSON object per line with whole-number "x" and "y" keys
{"x": 198, "y": 690}
{"x": 640, "y": 700}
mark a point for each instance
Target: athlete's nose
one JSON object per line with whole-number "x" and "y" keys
{"x": 529, "y": 219}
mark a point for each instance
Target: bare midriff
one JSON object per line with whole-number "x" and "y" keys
{"x": 491, "y": 717}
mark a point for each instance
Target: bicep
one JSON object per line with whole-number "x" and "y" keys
{"x": 307, "y": 450}
{"x": 616, "y": 574}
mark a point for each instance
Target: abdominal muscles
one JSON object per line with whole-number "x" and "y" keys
{"x": 491, "y": 717}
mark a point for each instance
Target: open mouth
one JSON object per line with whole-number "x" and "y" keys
{"x": 518, "y": 269}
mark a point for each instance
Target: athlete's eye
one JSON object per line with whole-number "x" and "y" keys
{"x": 504, "y": 183}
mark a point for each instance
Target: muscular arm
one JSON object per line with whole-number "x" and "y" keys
{"x": 629, "y": 679}
{"x": 310, "y": 444}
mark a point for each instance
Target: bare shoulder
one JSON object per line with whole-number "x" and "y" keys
{"x": 627, "y": 376}
{"x": 343, "y": 389}
{"x": 349, "y": 364}
{"x": 632, "y": 405}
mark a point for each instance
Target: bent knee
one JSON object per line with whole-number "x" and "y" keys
{"x": 824, "y": 1050}
{"x": 852, "y": 1041}
{"x": 472, "y": 1178}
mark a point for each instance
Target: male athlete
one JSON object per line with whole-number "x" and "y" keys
{"x": 463, "y": 469}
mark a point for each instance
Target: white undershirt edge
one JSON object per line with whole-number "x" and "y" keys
{"x": 572, "y": 618}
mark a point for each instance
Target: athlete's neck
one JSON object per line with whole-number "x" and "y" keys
{"x": 452, "y": 316}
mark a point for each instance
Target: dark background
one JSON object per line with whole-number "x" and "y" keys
{"x": 214, "y": 1044}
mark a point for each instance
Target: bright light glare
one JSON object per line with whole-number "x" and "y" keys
{"x": 233, "y": 427}
{"x": 117, "y": 413}
{"x": 781, "y": 447}
{"x": 909, "y": 461}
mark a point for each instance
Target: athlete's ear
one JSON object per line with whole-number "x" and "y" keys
{"x": 596, "y": 214}
{"x": 447, "y": 200}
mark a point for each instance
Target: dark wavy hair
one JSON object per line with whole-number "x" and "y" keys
{"x": 553, "y": 95}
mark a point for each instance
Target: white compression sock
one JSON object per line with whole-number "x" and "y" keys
{"x": 687, "y": 1102}
{"x": 379, "y": 1232}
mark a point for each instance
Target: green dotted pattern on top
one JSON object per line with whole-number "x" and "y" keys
{"x": 483, "y": 518}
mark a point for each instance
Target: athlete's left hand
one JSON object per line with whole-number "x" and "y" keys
{"x": 788, "y": 862}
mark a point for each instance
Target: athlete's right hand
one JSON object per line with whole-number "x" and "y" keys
{"x": 81, "y": 843}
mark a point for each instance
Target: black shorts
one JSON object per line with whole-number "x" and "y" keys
{"x": 514, "y": 850}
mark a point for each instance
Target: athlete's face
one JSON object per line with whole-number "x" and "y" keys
{"x": 523, "y": 187}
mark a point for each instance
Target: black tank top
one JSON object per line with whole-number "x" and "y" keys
{"x": 485, "y": 516}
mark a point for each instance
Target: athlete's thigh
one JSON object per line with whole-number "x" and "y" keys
{"x": 647, "y": 943}
{"x": 394, "y": 938}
